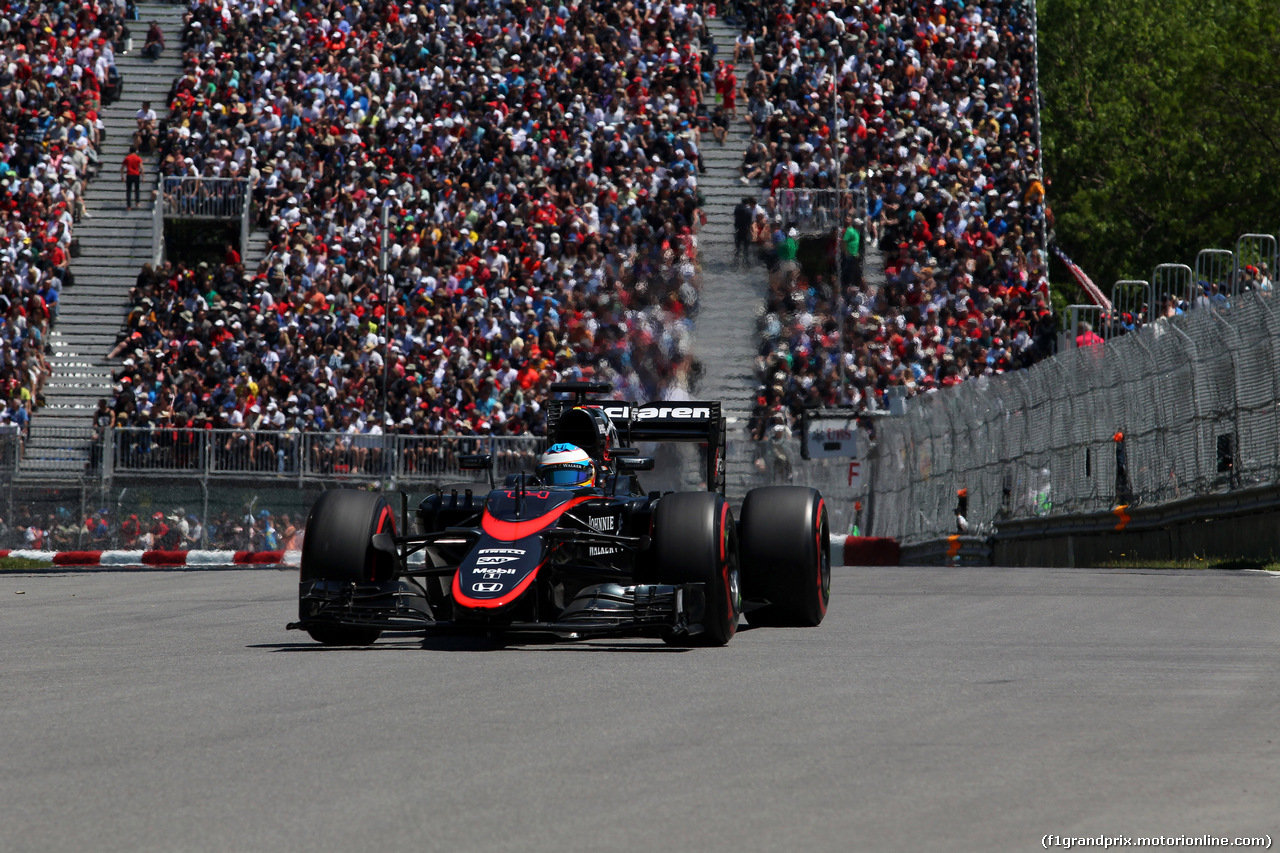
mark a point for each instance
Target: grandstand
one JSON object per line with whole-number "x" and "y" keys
{"x": 59, "y": 77}
{"x": 937, "y": 130}
{"x": 371, "y": 235}
{"x": 546, "y": 189}
{"x": 537, "y": 231}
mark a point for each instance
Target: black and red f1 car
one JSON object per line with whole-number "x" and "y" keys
{"x": 607, "y": 559}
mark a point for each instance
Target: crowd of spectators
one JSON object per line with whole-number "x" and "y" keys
{"x": 62, "y": 528}
{"x": 540, "y": 164}
{"x": 56, "y": 60}
{"x": 937, "y": 130}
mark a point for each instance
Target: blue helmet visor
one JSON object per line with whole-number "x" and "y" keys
{"x": 567, "y": 475}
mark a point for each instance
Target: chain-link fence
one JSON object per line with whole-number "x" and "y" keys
{"x": 1189, "y": 406}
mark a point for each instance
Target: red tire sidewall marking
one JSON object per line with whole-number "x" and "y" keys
{"x": 731, "y": 614}
{"x": 823, "y": 594}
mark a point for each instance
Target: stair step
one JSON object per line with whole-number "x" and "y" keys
{"x": 115, "y": 242}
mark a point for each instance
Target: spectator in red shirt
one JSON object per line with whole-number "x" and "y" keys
{"x": 131, "y": 174}
{"x": 1087, "y": 337}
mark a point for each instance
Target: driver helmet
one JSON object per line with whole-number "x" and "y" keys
{"x": 566, "y": 465}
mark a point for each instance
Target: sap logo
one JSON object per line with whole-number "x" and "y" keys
{"x": 494, "y": 560}
{"x": 486, "y": 587}
{"x": 688, "y": 413}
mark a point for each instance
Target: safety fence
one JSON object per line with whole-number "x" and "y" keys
{"x": 317, "y": 456}
{"x": 204, "y": 198}
{"x": 187, "y": 197}
{"x": 246, "y": 490}
{"x": 1186, "y": 406}
{"x": 236, "y": 489}
{"x": 1217, "y": 279}
{"x": 817, "y": 210}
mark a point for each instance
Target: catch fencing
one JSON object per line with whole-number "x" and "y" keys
{"x": 244, "y": 490}
{"x": 223, "y": 489}
{"x": 1187, "y": 406}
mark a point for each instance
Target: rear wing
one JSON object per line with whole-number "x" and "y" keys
{"x": 680, "y": 421}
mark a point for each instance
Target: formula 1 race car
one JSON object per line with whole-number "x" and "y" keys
{"x": 574, "y": 550}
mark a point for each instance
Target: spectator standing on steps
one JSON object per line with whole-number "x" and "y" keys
{"x": 851, "y": 245}
{"x": 742, "y": 216}
{"x": 788, "y": 247}
{"x": 131, "y": 174}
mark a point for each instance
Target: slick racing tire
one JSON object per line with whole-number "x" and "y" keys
{"x": 336, "y": 548}
{"x": 695, "y": 541}
{"x": 786, "y": 555}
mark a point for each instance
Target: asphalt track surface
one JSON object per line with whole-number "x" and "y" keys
{"x": 935, "y": 709}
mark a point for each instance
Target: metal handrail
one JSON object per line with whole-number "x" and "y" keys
{"x": 189, "y": 197}
{"x": 228, "y": 453}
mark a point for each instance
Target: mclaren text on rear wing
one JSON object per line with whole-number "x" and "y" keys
{"x": 681, "y": 420}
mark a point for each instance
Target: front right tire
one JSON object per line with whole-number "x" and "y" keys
{"x": 786, "y": 555}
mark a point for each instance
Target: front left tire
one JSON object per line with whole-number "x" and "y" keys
{"x": 695, "y": 541}
{"x": 336, "y": 547}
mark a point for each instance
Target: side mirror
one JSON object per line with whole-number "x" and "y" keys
{"x": 477, "y": 462}
{"x": 631, "y": 464}
{"x": 385, "y": 543}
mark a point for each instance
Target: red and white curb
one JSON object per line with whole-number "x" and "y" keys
{"x": 845, "y": 551}
{"x": 864, "y": 551}
{"x": 125, "y": 559}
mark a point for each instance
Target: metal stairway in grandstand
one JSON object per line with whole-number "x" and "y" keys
{"x": 732, "y": 295}
{"x": 114, "y": 244}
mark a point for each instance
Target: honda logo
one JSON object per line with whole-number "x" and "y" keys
{"x": 486, "y": 587}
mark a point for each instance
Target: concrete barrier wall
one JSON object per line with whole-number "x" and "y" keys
{"x": 1240, "y": 525}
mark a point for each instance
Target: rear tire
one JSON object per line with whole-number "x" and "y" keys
{"x": 786, "y": 555}
{"x": 336, "y": 548}
{"x": 695, "y": 541}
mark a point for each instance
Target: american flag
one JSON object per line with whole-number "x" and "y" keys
{"x": 1084, "y": 281}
